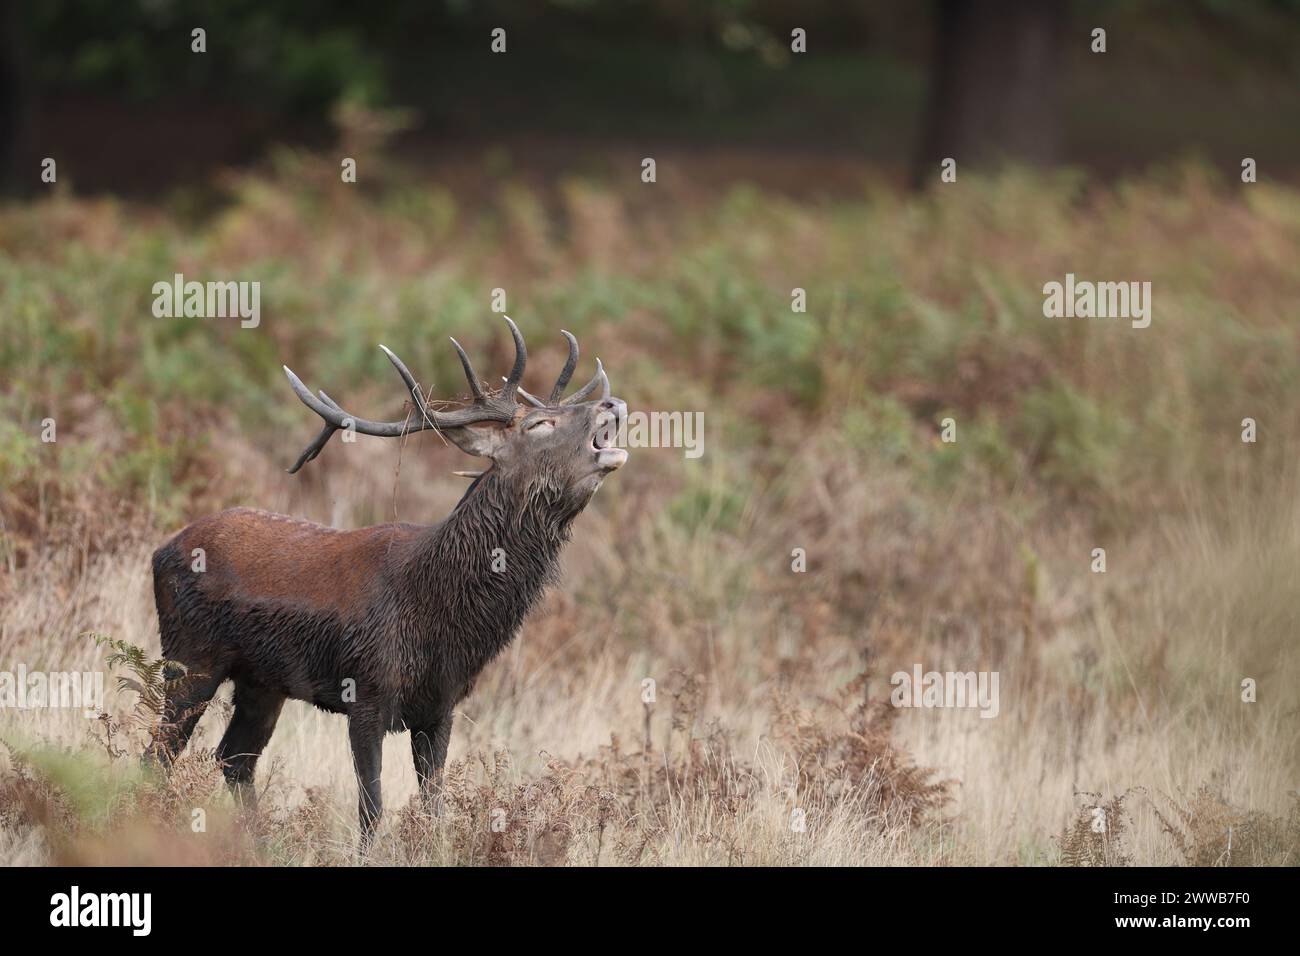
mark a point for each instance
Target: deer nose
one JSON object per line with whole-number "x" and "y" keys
{"x": 618, "y": 407}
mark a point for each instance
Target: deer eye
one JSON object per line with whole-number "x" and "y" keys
{"x": 540, "y": 428}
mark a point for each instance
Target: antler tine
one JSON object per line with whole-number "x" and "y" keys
{"x": 311, "y": 451}
{"x": 521, "y": 359}
{"x": 566, "y": 373}
{"x": 412, "y": 385}
{"x": 599, "y": 379}
{"x": 528, "y": 396}
{"x": 469, "y": 372}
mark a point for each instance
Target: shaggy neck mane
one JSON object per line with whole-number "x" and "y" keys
{"x": 470, "y": 604}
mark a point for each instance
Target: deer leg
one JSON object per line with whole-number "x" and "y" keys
{"x": 256, "y": 711}
{"x": 366, "y": 733}
{"x": 185, "y": 704}
{"x": 429, "y": 748}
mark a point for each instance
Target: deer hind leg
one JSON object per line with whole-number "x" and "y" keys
{"x": 185, "y": 704}
{"x": 256, "y": 711}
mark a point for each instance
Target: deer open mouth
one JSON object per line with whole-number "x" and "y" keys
{"x": 602, "y": 440}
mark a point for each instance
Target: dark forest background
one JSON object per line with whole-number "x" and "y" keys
{"x": 893, "y": 84}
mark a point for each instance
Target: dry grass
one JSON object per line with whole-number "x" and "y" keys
{"x": 760, "y": 715}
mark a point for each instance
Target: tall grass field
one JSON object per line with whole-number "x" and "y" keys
{"x": 921, "y": 469}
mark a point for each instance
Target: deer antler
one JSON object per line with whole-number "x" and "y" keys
{"x": 566, "y": 373}
{"x": 600, "y": 378}
{"x": 562, "y": 382}
{"x": 495, "y": 408}
{"x": 499, "y": 407}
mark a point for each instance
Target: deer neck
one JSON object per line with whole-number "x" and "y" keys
{"x": 481, "y": 570}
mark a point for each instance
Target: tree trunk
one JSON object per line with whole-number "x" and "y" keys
{"x": 995, "y": 84}
{"x": 15, "y": 101}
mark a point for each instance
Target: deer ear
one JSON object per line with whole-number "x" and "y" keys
{"x": 481, "y": 439}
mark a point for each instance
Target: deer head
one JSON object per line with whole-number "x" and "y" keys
{"x": 560, "y": 448}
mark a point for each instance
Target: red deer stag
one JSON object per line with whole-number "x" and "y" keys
{"x": 390, "y": 624}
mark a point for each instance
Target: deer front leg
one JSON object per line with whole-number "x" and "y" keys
{"x": 366, "y": 733}
{"x": 429, "y": 748}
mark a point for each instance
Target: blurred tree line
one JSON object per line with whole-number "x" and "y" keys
{"x": 982, "y": 79}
